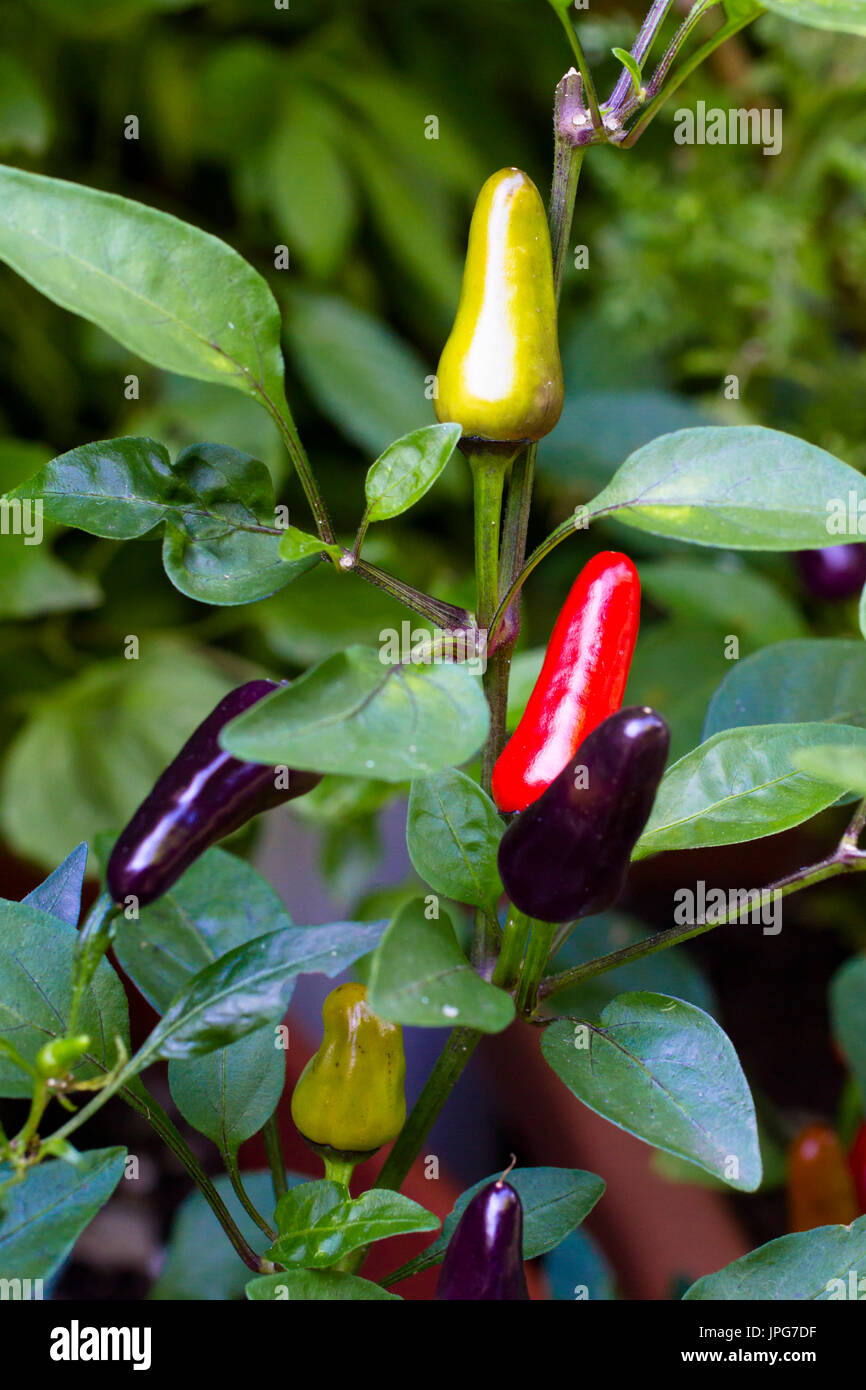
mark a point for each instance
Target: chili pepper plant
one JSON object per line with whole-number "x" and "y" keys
{"x": 521, "y": 822}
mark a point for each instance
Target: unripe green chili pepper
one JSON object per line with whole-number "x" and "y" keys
{"x": 820, "y": 1189}
{"x": 349, "y": 1097}
{"x": 582, "y": 680}
{"x": 57, "y": 1058}
{"x": 567, "y": 854}
{"x": 499, "y": 375}
{"x": 484, "y": 1259}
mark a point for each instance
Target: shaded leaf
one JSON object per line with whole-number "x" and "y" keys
{"x": 665, "y": 1071}
{"x": 421, "y": 977}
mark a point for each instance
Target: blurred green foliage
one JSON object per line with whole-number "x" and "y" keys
{"x": 309, "y": 128}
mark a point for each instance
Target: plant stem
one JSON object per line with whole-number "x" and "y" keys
{"x": 537, "y": 956}
{"x": 141, "y": 1100}
{"x": 459, "y": 1048}
{"x": 339, "y": 1170}
{"x": 583, "y": 68}
{"x": 844, "y": 859}
{"x": 274, "y": 1151}
{"x": 91, "y": 944}
{"x": 643, "y": 43}
{"x": 514, "y": 939}
{"x": 297, "y": 453}
{"x": 444, "y": 615}
{"x": 231, "y": 1166}
{"x": 657, "y": 98}
{"x": 488, "y": 466}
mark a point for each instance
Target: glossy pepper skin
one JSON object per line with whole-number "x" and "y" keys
{"x": 567, "y": 854}
{"x": 349, "y": 1097}
{"x": 484, "y": 1259}
{"x": 820, "y": 1190}
{"x": 857, "y": 1165}
{"x": 835, "y": 572}
{"x": 582, "y": 681}
{"x": 203, "y": 795}
{"x": 499, "y": 375}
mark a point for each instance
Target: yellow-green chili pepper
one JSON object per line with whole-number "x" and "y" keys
{"x": 56, "y": 1059}
{"x": 499, "y": 375}
{"x": 349, "y": 1097}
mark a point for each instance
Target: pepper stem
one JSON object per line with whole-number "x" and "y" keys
{"x": 537, "y": 955}
{"x": 514, "y": 939}
{"x": 338, "y": 1170}
{"x": 489, "y": 463}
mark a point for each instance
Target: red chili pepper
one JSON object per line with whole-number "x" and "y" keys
{"x": 581, "y": 683}
{"x": 857, "y": 1164}
{"x": 820, "y": 1190}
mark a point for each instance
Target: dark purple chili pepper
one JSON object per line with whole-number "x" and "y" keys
{"x": 484, "y": 1259}
{"x": 567, "y": 854}
{"x": 837, "y": 571}
{"x": 202, "y": 796}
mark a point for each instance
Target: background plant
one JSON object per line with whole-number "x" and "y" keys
{"x": 631, "y": 319}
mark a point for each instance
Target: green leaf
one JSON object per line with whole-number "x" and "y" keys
{"x": 743, "y": 487}
{"x": 555, "y": 1201}
{"x": 809, "y": 1266}
{"x": 861, "y": 612}
{"x": 631, "y": 65}
{"x": 25, "y": 118}
{"x": 307, "y": 184}
{"x": 229, "y": 1094}
{"x": 309, "y": 1285}
{"x": 118, "y": 488}
{"x": 45, "y": 1214}
{"x": 453, "y": 831}
{"x": 200, "y": 1262}
{"x": 252, "y": 985}
{"x": 209, "y": 552}
{"x": 420, "y": 976}
{"x": 218, "y": 904}
{"x": 111, "y": 731}
{"x": 847, "y": 992}
{"x": 408, "y": 468}
{"x": 742, "y": 785}
{"x": 665, "y": 1071}
{"x": 60, "y": 893}
{"x": 664, "y": 651}
{"x": 299, "y": 545}
{"x": 356, "y": 715}
{"x": 846, "y": 16}
{"x": 34, "y": 582}
{"x": 738, "y": 9}
{"x": 36, "y": 952}
{"x": 174, "y": 295}
{"x": 793, "y": 683}
{"x": 213, "y": 500}
{"x": 412, "y": 219}
{"x": 577, "y": 1269}
{"x": 730, "y": 596}
{"x": 364, "y": 378}
{"x": 844, "y": 768}
{"x": 319, "y": 1223}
